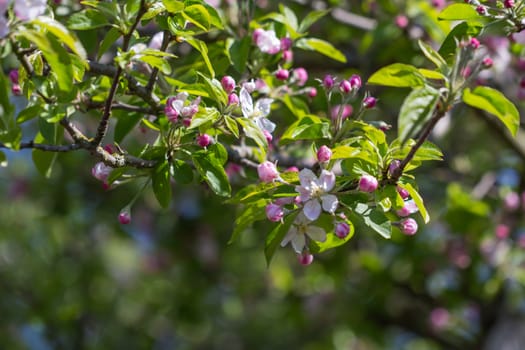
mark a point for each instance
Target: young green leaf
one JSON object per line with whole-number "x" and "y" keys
{"x": 86, "y": 19}
{"x": 310, "y": 127}
{"x": 200, "y": 46}
{"x": 161, "y": 184}
{"x": 464, "y": 29}
{"x": 181, "y": 171}
{"x": 274, "y": 239}
{"x": 310, "y": 19}
{"x": 433, "y": 56}
{"x": 321, "y": 46}
{"x": 494, "y": 102}
{"x": 213, "y": 172}
{"x": 418, "y": 107}
{"x": 373, "y": 218}
{"x": 198, "y": 15}
{"x": 250, "y": 213}
{"x": 398, "y": 75}
{"x": 458, "y": 12}
{"x": 418, "y": 200}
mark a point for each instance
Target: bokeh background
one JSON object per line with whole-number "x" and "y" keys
{"x": 72, "y": 277}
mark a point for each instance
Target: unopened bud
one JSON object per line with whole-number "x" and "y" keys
{"x": 369, "y": 102}
{"x": 368, "y": 183}
{"x": 204, "y": 140}
{"x": 267, "y": 172}
{"x": 124, "y": 217}
{"x": 274, "y": 212}
{"x": 282, "y": 74}
{"x": 228, "y": 84}
{"x": 324, "y": 154}
{"x": 342, "y": 229}
{"x": 345, "y": 87}
{"x": 305, "y": 258}
{"x": 408, "y": 226}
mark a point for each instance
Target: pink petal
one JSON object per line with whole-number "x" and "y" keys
{"x": 298, "y": 242}
{"x": 292, "y": 232}
{"x": 327, "y": 180}
{"x": 306, "y": 177}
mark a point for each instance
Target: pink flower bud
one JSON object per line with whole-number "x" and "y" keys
{"x": 342, "y": 229}
{"x": 465, "y": 72}
{"x": 474, "y": 43}
{"x": 293, "y": 169}
{"x": 345, "y": 113}
{"x": 408, "y": 226}
{"x": 124, "y": 217}
{"x": 300, "y": 76}
{"x": 355, "y": 82}
{"x": 312, "y": 92}
{"x": 204, "y": 140}
{"x": 274, "y": 212}
{"x": 324, "y": 154}
{"x": 511, "y": 201}
{"x": 287, "y": 56}
{"x": 368, "y": 183}
{"x": 305, "y": 258}
{"x": 268, "y": 136}
{"x": 345, "y": 87}
{"x": 482, "y": 10}
{"x": 439, "y": 318}
{"x": 284, "y": 200}
{"x": 508, "y": 4}
{"x": 101, "y": 171}
{"x": 502, "y": 231}
{"x": 16, "y": 90}
{"x": 438, "y": 4}
{"x": 393, "y": 166}
{"x": 369, "y": 102}
{"x": 328, "y": 82}
{"x": 401, "y": 21}
{"x": 256, "y": 34}
{"x": 487, "y": 62}
{"x": 282, "y": 74}
{"x": 233, "y": 99}
{"x": 267, "y": 172}
{"x": 228, "y": 84}
{"x": 13, "y": 76}
{"x": 402, "y": 192}
{"x": 286, "y": 43}
{"x": 186, "y": 122}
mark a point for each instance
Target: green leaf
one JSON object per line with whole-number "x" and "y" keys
{"x": 87, "y": 19}
{"x": 6, "y": 108}
{"x": 238, "y": 53}
{"x": 433, "y": 56}
{"x": 332, "y": 241}
{"x": 161, "y": 184}
{"x": 464, "y": 29}
{"x": 56, "y": 56}
{"x": 249, "y": 214}
{"x": 161, "y": 63}
{"x": 109, "y": 39}
{"x": 252, "y": 131}
{"x": 427, "y": 151}
{"x": 418, "y": 107}
{"x": 309, "y": 127}
{"x": 126, "y": 121}
{"x": 200, "y": 46}
{"x": 458, "y": 12}
{"x": 62, "y": 34}
{"x": 274, "y": 239}
{"x": 290, "y": 17}
{"x": 181, "y": 171}
{"x": 198, "y": 15}
{"x": 231, "y": 124}
{"x": 431, "y": 74}
{"x": 342, "y": 152}
{"x": 219, "y": 151}
{"x": 156, "y": 8}
{"x": 214, "y": 89}
{"x": 418, "y": 200}
{"x": 43, "y": 160}
{"x": 373, "y": 218}
{"x": 213, "y": 172}
{"x": 494, "y": 102}
{"x": 321, "y": 46}
{"x": 173, "y": 6}
{"x": 204, "y": 116}
{"x": 398, "y": 75}
{"x": 311, "y": 18}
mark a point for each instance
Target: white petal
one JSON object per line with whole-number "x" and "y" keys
{"x": 264, "y": 106}
{"x": 246, "y": 103}
{"x": 316, "y": 233}
{"x": 312, "y": 209}
{"x": 327, "y": 180}
{"x": 304, "y": 194}
{"x": 306, "y": 177}
{"x": 330, "y": 203}
{"x": 292, "y": 232}
{"x": 298, "y": 242}
{"x": 265, "y": 124}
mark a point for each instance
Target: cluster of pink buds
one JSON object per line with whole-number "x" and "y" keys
{"x": 176, "y": 107}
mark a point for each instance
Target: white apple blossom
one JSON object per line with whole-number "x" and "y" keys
{"x": 314, "y": 193}
{"x": 27, "y": 10}
{"x": 299, "y": 230}
{"x": 258, "y": 112}
{"x": 267, "y": 42}
{"x": 4, "y": 29}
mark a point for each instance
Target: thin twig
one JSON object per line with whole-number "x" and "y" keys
{"x": 153, "y": 78}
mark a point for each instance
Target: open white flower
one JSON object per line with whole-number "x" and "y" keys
{"x": 314, "y": 193}
{"x": 299, "y": 230}
{"x": 27, "y": 10}
{"x": 258, "y": 112}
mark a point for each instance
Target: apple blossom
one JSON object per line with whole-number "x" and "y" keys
{"x": 314, "y": 193}
{"x": 508, "y": 3}
{"x": 204, "y": 140}
{"x": 27, "y": 10}
{"x": 233, "y": 99}
{"x": 258, "y": 112}
{"x": 267, "y": 41}
{"x": 101, "y": 171}
{"x": 297, "y": 233}
{"x": 286, "y": 43}
{"x": 343, "y": 114}
{"x": 312, "y": 92}
{"x": 355, "y": 82}
{"x": 328, "y": 82}
{"x": 345, "y": 87}
{"x": 408, "y": 208}
{"x": 300, "y": 76}
{"x": 228, "y": 84}
{"x": 282, "y": 74}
